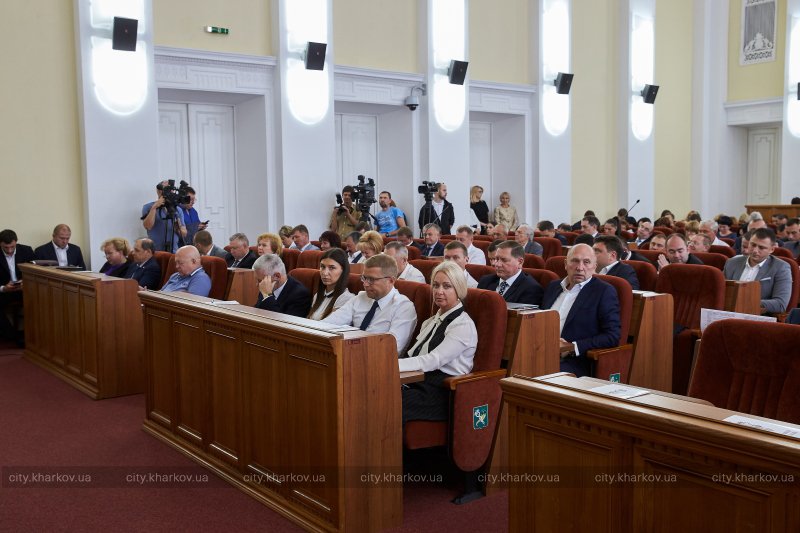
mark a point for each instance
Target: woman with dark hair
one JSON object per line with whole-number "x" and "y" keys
{"x": 332, "y": 292}
{"x": 611, "y": 227}
{"x": 329, "y": 239}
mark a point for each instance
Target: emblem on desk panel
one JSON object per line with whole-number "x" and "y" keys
{"x": 614, "y": 378}
{"x": 480, "y": 416}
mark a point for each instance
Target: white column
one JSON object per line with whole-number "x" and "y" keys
{"x": 118, "y": 121}
{"x": 790, "y": 148}
{"x": 554, "y": 170}
{"x": 636, "y": 124}
{"x": 306, "y": 159}
{"x": 443, "y": 113}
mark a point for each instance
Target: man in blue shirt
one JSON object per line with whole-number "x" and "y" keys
{"x": 191, "y": 218}
{"x": 160, "y": 225}
{"x": 390, "y": 218}
{"x": 190, "y": 276}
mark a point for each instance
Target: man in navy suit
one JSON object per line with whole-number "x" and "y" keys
{"x": 145, "y": 270}
{"x": 11, "y": 280}
{"x": 59, "y": 249}
{"x": 276, "y": 291}
{"x": 607, "y": 250}
{"x": 240, "y": 255}
{"x": 432, "y": 246}
{"x": 509, "y": 281}
{"x": 588, "y": 307}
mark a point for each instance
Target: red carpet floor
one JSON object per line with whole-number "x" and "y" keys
{"x": 48, "y": 428}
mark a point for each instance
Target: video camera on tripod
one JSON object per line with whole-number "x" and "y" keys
{"x": 428, "y": 189}
{"x": 174, "y": 196}
{"x": 363, "y": 196}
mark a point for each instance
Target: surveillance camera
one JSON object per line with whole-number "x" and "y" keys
{"x": 412, "y": 102}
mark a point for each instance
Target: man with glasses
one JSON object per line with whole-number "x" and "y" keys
{"x": 510, "y": 281}
{"x": 379, "y": 308}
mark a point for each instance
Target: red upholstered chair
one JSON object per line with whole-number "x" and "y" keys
{"x": 729, "y": 242}
{"x": 414, "y": 252}
{"x": 644, "y": 246}
{"x": 617, "y": 360}
{"x": 794, "y": 299}
{"x": 647, "y": 274}
{"x": 551, "y": 245}
{"x": 217, "y": 270}
{"x": 692, "y": 287}
{"x": 533, "y": 261}
{"x": 421, "y": 296}
{"x": 309, "y": 259}
{"x": 254, "y": 249}
{"x": 558, "y": 265}
{"x": 628, "y": 235}
{"x": 727, "y": 251}
{"x": 712, "y": 259}
{"x": 483, "y": 246}
{"x": 543, "y": 277}
{"x": 425, "y": 266}
{"x": 779, "y": 252}
{"x": 650, "y": 255}
{"x": 663, "y": 229}
{"x": 469, "y": 448}
{"x": 163, "y": 260}
{"x": 737, "y": 370}
{"x": 570, "y": 235}
{"x": 290, "y": 257}
{"x": 485, "y": 238}
{"x": 308, "y": 277}
{"x": 478, "y": 271}
{"x": 354, "y": 283}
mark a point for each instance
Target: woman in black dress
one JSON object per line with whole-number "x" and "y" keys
{"x": 480, "y": 211}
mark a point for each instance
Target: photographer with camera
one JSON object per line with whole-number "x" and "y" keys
{"x": 345, "y": 215}
{"x": 163, "y": 220}
{"x": 390, "y": 218}
{"x": 437, "y": 210}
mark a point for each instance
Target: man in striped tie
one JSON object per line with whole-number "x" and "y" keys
{"x": 510, "y": 281}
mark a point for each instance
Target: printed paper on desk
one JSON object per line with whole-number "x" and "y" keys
{"x": 763, "y": 425}
{"x": 707, "y": 316}
{"x": 619, "y": 391}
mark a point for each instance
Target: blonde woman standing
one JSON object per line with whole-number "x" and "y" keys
{"x": 505, "y": 213}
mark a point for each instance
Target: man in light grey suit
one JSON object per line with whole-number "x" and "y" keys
{"x": 760, "y": 265}
{"x": 524, "y": 236}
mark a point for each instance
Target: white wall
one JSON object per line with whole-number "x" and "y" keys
{"x": 396, "y": 161}
{"x": 252, "y": 175}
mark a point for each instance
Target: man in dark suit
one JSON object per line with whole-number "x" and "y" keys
{"x": 644, "y": 231}
{"x": 204, "y": 243}
{"x": 547, "y": 229}
{"x": 432, "y": 246}
{"x": 509, "y": 280}
{"x": 11, "y": 281}
{"x": 677, "y": 252}
{"x": 240, "y": 255}
{"x": 59, "y": 249}
{"x": 607, "y": 250}
{"x": 589, "y": 310}
{"x": 276, "y": 291}
{"x": 792, "y": 242}
{"x": 439, "y": 212}
{"x": 524, "y": 236}
{"x": 145, "y": 269}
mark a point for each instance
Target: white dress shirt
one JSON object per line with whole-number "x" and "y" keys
{"x": 718, "y": 242}
{"x": 395, "y": 315}
{"x": 564, "y": 302}
{"x": 475, "y": 255}
{"x": 61, "y": 255}
{"x": 12, "y": 264}
{"x": 455, "y": 353}
{"x": 510, "y": 281}
{"x": 606, "y": 268}
{"x": 343, "y": 298}
{"x": 751, "y": 273}
{"x": 412, "y": 273}
{"x": 471, "y": 283}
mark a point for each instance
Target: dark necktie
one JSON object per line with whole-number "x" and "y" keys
{"x": 235, "y": 264}
{"x": 418, "y": 349}
{"x": 368, "y": 317}
{"x": 430, "y": 251}
{"x": 503, "y": 287}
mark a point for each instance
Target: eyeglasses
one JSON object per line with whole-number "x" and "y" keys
{"x": 369, "y": 280}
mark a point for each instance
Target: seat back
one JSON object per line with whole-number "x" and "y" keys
{"x": 646, "y": 273}
{"x": 422, "y": 298}
{"x": 737, "y": 370}
{"x": 663, "y": 229}
{"x": 795, "y": 297}
{"x": 542, "y": 276}
{"x": 779, "y": 252}
{"x": 551, "y": 246}
{"x": 354, "y": 283}
{"x": 425, "y": 266}
{"x": 558, "y": 265}
{"x": 163, "y": 260}
{"x": 483, "y": 246}
{"x": 650, "y": 255}
{"x": 730, "y": 242}
{"x": 290, "y": 256}
{"x": 309, "y": 259}
{"x": 712, "y": 259}
{"x": 488, "y": 310}
{"x": 727, "y": 251}
{"x": 570, "y": 235}
{"x": 625, "y": 296}
{"x": 478, "y": 271}
{"x": 692, "y": 287}
{"x": 414, "y": 252}
{"x": 309, "y": 277}
{"x": 533, "y": 261}
{"x": 217, "y": 270}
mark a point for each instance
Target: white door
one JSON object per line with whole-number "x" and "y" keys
{"x": 480, "y": 159}
{"x": 763, "y": 165}
{"x": 196, "y": 144}
{"x": 357, "y": 144}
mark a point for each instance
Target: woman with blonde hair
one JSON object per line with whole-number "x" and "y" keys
{"x": 444, "y": 347}
{"x": 269, "y": 243}
{"x": 116, "y": 250}
{"x": 479, "y": 211}
{"x": 371, "y": 243}
{"x": 505, "y": 213}
{"x": 285, "y": 233}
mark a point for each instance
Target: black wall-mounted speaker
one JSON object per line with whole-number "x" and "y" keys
{"x": 457, "y": 72}
{"x": 315, "y": 55}
{"x": 124, "y": 35}
{"x": 649, "y": 93}
{"x": 563, "y": 82}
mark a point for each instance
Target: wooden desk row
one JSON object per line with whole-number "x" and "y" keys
{"x": 86, "y": 328}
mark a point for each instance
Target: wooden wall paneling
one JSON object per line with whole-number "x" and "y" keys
{"x": 58, "y": 337}
{"x": 225, "y": 439}
{"x": 87, "y": 314}
{"x": 72, "y": 347}
{"x": 651, "y": 329}
{"x": 161, "y": 398}
{"x": 192, "y": 375}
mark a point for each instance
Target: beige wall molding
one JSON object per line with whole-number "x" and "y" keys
{"x": 755, "y": 112}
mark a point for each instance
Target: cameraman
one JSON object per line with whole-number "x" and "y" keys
{"x": 439, "y": 211}
{"x": 190, "y": 217}
{"x": 389, "y": 218}
{"x": 345, "y": 216}
{"x": 160, "y": 225}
